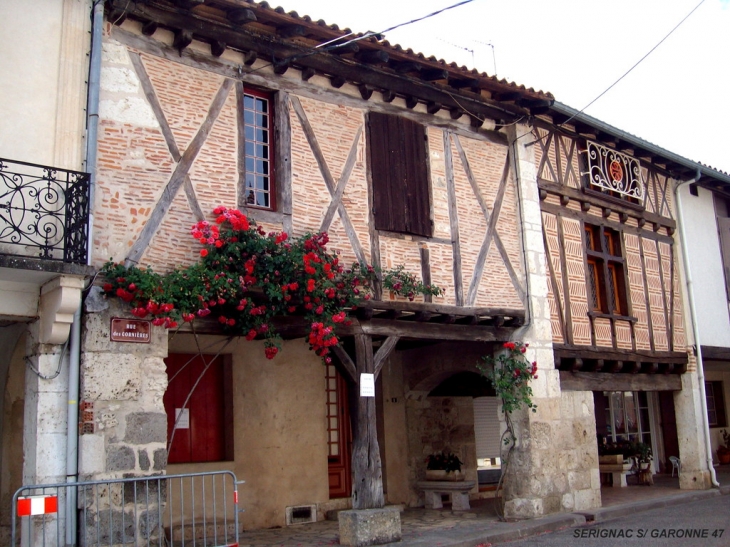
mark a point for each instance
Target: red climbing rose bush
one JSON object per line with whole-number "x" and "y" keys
{"x": 510, "y": 373}
{"x": 246, "y": 277}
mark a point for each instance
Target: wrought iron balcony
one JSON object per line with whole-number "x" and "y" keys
{"x": 44, "y": 212}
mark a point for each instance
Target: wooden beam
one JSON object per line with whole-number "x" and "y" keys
{"x": 600, "y": 381}
{"x": 280, "y": 67}
{"x": 178, "y": 176}
{"x": 388, "y": 95}
{"x": 365, "y": 91}
{"x": 346, "y": 361}
{"x": 372, "y": 56}
{"x": 715, "y": 353}
{"x": 460, "y": 83}
{"x": 291, "y": 31}
{"x": 587, "y": 352}
{"x": 217, "y": 48}
{"x": 337, "y": 81}
{"x": 430, "y": 331}
{"x": 244, "y": 39}
{"x": 433, "y": 74}
{"x": 343, "y": 49}
{"x": 411, "y": 102}
{"x": 149, "y": 28}
{"x": 433, "y": 108}
{"x": 242, "y": 16}
{"x": 453, "y": 220}
{"x": 437, "y": 309}
{"x": 307, "y": 73}
{"x": 383, "y": 352}
{"x": 404, "y": 67}
{"x": 183, "y": 38}
{"x": 367, "y": 474}
{"x": 249, "y": 58}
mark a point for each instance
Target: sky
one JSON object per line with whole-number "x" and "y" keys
{"x": 676, "y": 98}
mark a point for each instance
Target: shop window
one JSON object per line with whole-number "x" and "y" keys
{"x": 716, "y": 416}
{"x": 257, "y": 121}
{"x": 605, "y": 271}
{"x": 399, "y": 167}
{"x": 627, "y": 416}
{"x": 198, "y": 403}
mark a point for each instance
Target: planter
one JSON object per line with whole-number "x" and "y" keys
{"x": 443, "y": 475}
{"x": 611, "y": 459}
{"x": 723, "y": 456}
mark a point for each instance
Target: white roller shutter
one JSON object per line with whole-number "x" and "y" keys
{"x": 486, "y": 427}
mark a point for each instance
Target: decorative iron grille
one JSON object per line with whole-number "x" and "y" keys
{"x": 612, "y": 172}
{"x": 44, "y": 212}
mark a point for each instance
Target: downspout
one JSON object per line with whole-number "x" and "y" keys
{"x": 92, "y": 127}
{"x": 695, "y": 327}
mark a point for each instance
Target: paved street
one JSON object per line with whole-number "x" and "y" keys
{"x": 704, "y": 523}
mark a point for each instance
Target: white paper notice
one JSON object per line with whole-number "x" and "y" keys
{"x": 182, "y": 418}
{"x": 367, "y": 385}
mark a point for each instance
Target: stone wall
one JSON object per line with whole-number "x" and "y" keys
{"x": 123, "y": 421}
{"x": 554, "y": 465}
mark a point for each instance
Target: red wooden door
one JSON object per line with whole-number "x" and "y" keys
{"x": 339, "y": 435}
{"x": 204, "y": 428}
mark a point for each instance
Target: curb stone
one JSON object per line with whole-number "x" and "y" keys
{"x": 607, "y": 513}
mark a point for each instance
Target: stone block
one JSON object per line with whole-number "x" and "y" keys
{"x": 144, "y": 460}
{"x": 120, "y": 458}
{"x": 110, "y": 527}
{"x": 159, "y": 459}
{"x": 110, "y": 377}
{"x": 568, "y": 502}
{"x": 146, "y": 427}
{"x": 579, "y": 480}
{"x": 362, "y": 527}
{"x": 587, "y": 499}
{"x": 521, "y": 508}
{"x": 91, "y": 454}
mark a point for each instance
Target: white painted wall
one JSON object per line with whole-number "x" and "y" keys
{"x": 29, "y": 64}
{"x": 703, "y": 249}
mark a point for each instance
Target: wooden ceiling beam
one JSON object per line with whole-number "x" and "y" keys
{"x": 372, "y": 56}
{"x": 244, "y": 40}
{"x": 242, "y": 16}
{"x": 433, "y": 74}
{"x": 291, "y": 31}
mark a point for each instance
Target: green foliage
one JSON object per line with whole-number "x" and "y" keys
{"x": 406, "y": 284}
{"x": 510, "y": 373}
{"x": 245, "y": 278}
{"x": 447, "y": 462}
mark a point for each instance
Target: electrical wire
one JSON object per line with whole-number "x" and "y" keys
{"x": 635, "y": 64}
{"x": 333, "y": 44}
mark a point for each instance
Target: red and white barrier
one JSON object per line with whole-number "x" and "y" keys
{"x": 37, "y": 505}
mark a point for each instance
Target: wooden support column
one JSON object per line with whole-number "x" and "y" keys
{"x": 367, "y": 474}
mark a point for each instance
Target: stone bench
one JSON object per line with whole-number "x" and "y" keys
{"x": 458, "y": 490}
{"x": 617, "y": 471}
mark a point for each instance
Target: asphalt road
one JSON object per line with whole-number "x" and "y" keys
{"x": 703, "y": 523}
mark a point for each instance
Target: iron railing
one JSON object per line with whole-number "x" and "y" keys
{"x": 44, "y": 212}
{"x": 189, "y": 510}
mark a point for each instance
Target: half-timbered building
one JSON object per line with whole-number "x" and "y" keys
{"x": 539, "y": 223}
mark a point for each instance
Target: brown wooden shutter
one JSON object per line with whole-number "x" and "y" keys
{"x": 398, "y": 164}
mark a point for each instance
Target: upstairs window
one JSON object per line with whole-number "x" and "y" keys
{"x": 612, "y": 174}
{"x": 715, "y": 404}
{"x": 605, "y": 272}
{"x": 399, "y": 167}
{"x": 258, "y": 186}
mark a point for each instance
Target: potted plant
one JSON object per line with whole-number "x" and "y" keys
{"x": 723, "y": 451}
{"x": 443, "y": 466}
{"x": 643, "y": 455}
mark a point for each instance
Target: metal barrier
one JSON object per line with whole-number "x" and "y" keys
{"x": 190, "y": 510}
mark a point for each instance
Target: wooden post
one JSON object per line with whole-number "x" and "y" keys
{"x": 367, "y": 474}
